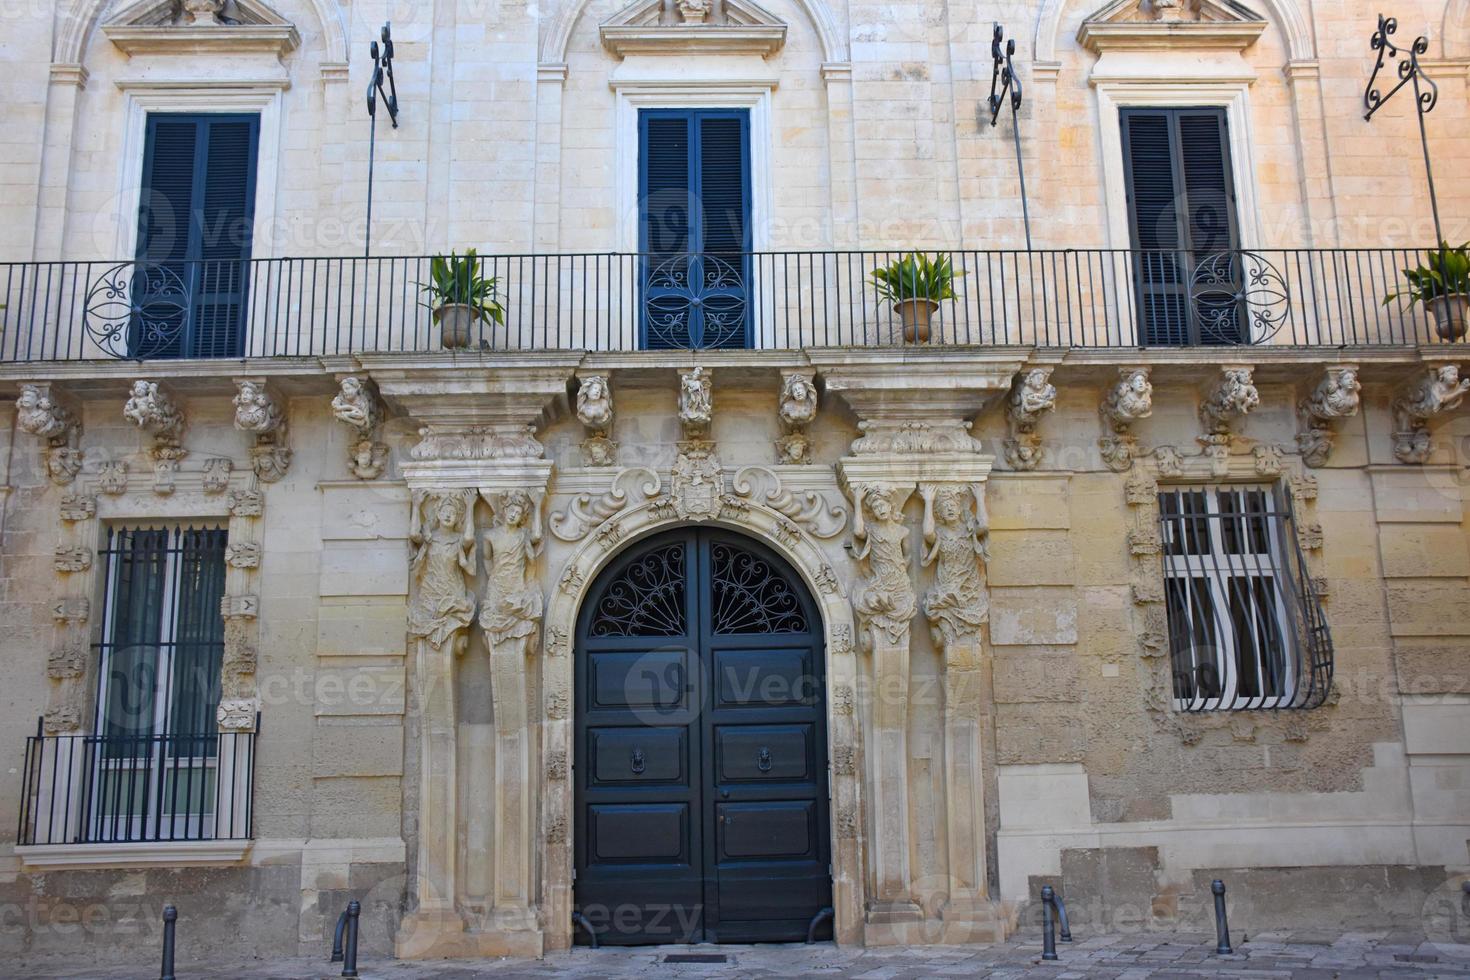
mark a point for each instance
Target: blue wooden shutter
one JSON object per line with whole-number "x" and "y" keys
{"x": 694, "y": 199}
{"x": 1181, "y": 210}
{"x": 194, "y": 235}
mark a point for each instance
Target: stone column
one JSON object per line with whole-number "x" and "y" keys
{"x": 915, "y": 438}
{"x": 957, "y": 606}
{"x": 478, "y": 476}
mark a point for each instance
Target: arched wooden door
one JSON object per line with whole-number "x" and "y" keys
{"x": 701, "y": 755}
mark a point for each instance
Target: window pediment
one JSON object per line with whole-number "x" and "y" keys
{"x": 1171, "y": 24}
{"x": 195, "y": 26}
{"x": 683, "y": 27}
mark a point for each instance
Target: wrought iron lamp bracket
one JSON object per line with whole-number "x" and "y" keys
{"x": 1409, "y": 70}
{"x": 1003, "y": 79}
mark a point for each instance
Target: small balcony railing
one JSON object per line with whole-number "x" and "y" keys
{"x": 1072, "y": 298}
{"x": 110, "y": 789}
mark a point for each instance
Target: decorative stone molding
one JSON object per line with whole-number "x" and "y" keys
{"x": 194, "y": 26}
{"x": 1143, "y": 25}
{"x": 441, "y": 605}
{"x": 595, "y": 412}
{"x": 1432, "y": 393}
{"x": 246, "y": 503}
{"x": 883, "y": 437}
{"x": 586, "y": 511}
{"x": 1268, "y": 460}
{"x": 165, "y": 476}
{"x": 797, "y": 411}
{"x": 73, "y": 558}
{"x": 1130, "y": 399}
{"x": 693, "y": 28}
{"x": 68, "y": 660}
{"x": 151, "y": 408}
{"x": 112, "y": 477}
{"x": 239, "y": 607}
{"x": 41, "y": 412}
{"x": 477, "y": 443}
{"x": 72, "y": 610}
{"x": 1032, "y": 395}
{"x": 696, "y": 403}
{"x": 358, "y": 406}
{"x": 259, "y": 412}
{"x": 245, "y": 554}
{"x": 217, "y": 474}
{"x": 237, "y": 714}
{"x": 1336, "y": 397}
{"x": 76, "y": 506}
{"x": 810, "y": 509}
{"x": 956, "y": 530}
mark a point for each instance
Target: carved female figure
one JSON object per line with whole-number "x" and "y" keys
{"x": 886, "y": 600}
{"x": 513, "y": 601}
{"x": 442, "y": 604}
{"x": 956, "y": 540}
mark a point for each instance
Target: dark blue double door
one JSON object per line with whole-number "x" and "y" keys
{"x": 701, "y": 779}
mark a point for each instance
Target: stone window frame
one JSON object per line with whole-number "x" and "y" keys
{"x": 106, "y": 493}
{"x": 1166, "y": 466}
{"x": 266, "y": 99}
{"x": 1232, "y": 97}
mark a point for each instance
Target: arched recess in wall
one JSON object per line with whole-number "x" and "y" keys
{"x": 559, "y": 34}
{"x": 76, "y": 22}
{"x": 1287, "y": 15}
{"x": 1456, "y": 29}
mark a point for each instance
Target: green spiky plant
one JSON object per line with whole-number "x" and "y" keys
{"x": 916, "y": 276}
{"x": 1445, "y": 272}
{"x": 455, "y": 280}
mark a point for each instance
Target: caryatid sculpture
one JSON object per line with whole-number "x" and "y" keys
{"x": 885, "y": 602}
{"x": 513, "y": 606}
{"x": 442, "y": 533}
{"x": 955, "y": 536}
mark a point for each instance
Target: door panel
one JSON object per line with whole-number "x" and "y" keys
{"x": 701, "y": 779}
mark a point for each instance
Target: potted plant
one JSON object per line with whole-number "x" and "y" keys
{"x": 915, "y": 284}
{"x": 461, "y": 297}
{"x": 1442, "y": 284}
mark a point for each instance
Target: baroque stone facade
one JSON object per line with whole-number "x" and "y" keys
{"x": 412, "y": 536}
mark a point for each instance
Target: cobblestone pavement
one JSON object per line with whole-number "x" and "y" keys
{"x": 1135, "y": 957}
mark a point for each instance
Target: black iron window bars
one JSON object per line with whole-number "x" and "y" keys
{"x": 1246, "y": 628}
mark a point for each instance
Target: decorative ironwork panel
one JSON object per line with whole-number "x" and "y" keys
{"x": 647, "y": 599}
{"x": 1246, "y": 627}
{"x": 751, "y": 596}
{"x": 696, "y": 301}
{"x": 137, "y": 309}
{"x": 1239, "y": 298}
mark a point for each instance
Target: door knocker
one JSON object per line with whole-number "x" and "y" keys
{"x": 763, "y": 760}
{"x": 636, "y": 761}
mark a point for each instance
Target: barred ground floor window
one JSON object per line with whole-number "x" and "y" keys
{"x": 1246, "y": 629}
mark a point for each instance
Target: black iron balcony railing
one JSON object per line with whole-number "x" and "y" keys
{"x": 109, "y": 789}
{"x": 1086, "y": 298}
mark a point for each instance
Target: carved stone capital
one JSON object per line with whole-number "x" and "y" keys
{"x": 1032, "y": 396}
{"x": 696, "y": 403}
{"x": 153, "y": 409}
{"x": 1336, "y": 397}
{"x": 1130, "y": 399}
{"x": 43, "y": 412}
{"x": 1432, "y": 393}
{"x": 1230, "y": 396}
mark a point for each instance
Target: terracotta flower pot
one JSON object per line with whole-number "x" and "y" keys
{"x": 1449, "y": 315}
{"x": 915, "y": 315}
{"x": 458, "y": 324}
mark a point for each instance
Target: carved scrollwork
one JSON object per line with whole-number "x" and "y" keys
{"x": 809, "y": 509}
{"x": 635, "y": 484}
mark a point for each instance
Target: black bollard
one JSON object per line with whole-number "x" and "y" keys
{"x": 349, "y": 954}
{"x": 1048, "y": 927}
{"x": 1222, "y": 927}
{"x": 170, "y": 921}
{"x": 1066, "y": 933}
{"x": 337, "y": 937}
